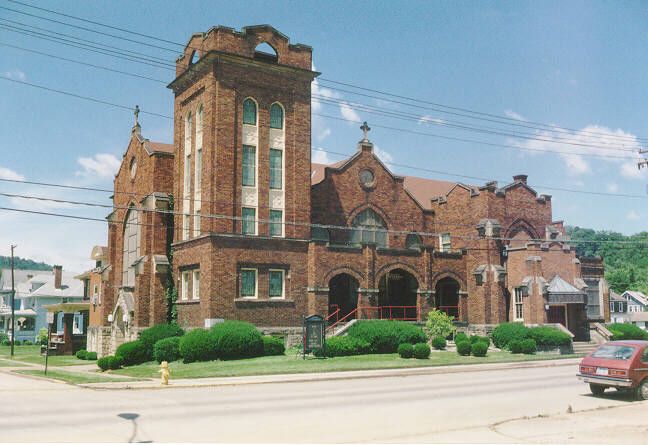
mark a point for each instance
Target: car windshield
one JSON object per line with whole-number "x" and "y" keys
{"x": 613, "y": 352}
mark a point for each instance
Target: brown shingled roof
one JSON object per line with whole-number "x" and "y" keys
{"x": 422, "y": 189}
{"x": 159, "y": 147}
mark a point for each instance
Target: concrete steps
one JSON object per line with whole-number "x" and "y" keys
{"x": 584, "y": 347}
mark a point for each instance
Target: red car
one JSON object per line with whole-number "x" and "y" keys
{"x": 617, "y": 364}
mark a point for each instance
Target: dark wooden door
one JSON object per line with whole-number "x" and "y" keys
{"x": 557, "y": 315}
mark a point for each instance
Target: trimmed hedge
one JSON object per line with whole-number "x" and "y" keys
{"x": 109, "y": 362}
{"x": 345, "y": 346}
{"x": 81, "y": 354}
{"x": 236, "y": 339}
{"x": 152, "y": 335}
{"x": 439, "y": 343}
{"x": 479, "y": 349}
{"x": 167, "y": 350}
{"x": 132, "y": 353}
{"x": 524, "y": 346}
{"x": 91, "y": 355}
{"x": 504, "y": 333}
{"x": 197, "y": 345}
{"x": 464, "y": 347}
{"x": 273, "y": 345}
{"x": 461, "y": 336}
{"x": 476, "y": 339}
{"x": 406, "y": 350}
{"x": 627, "y": 331}
{"x": 384, "y": 336}
{"x": 421, "y": 351}
{"x": 549, "y": 337}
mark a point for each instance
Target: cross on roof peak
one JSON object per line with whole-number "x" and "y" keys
{"x": 365, "y": 129}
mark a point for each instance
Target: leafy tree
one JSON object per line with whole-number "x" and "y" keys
{"x": 439, "y": 324}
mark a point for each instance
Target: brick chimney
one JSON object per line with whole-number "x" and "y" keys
{"x": 577, "y": 267}
{"x": 58, "y": 276}
{"x": 520, "y": 178}
{"x": 534, "y": 266}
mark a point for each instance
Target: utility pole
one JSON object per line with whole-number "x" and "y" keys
{"x": 644, "y": 162}
{"x": 13, "y": 305}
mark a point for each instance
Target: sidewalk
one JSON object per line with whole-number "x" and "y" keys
{"x": 343, "y": 375}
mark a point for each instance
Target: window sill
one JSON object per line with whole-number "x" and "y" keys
{"x": 255, "y": 302}
{"x": 183, "y": 302}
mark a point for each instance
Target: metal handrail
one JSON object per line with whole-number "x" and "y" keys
{"x": 353, "y": 312}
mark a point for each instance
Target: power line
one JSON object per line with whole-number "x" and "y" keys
{"x": 507, "y": 120}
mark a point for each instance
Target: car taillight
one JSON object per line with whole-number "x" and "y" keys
{"x": 619, "y": 372}
{"x": 587, "y": 370}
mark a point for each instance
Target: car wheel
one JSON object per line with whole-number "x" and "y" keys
{"x": 642, "y": 390}
{"x": 597, "y": 390}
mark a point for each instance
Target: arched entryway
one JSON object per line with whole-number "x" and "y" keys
{"x": 397, "y": 295}
{"x": 447, "y": 296}
{"x": 343, "y": 296}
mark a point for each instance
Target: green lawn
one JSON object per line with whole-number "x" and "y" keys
{"x": 31, "y": 354}
{"x": 73, "y": 377}
{"x": 291, "y": 364}
{"x": 6, "y": 363}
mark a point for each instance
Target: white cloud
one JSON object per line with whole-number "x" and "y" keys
{"x": 15, "y": 74}
{"x": 513, "y": 115}
{"x": 631, "y": 170}
{"x": 322, "y": 133}
{"x": 597, "y": 140}
{"x": 613, "y": 187}
{"x": 6, "y": 173}
{"x": 103, "y": 165}
{"x": 319, "y": 156}
{"x": 428, "y": 119}
{"x": 384, "y": 156}
{"x": 349, "y": 113}
{"x": 632, "y": 215}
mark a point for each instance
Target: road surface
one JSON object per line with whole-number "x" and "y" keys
{"x": 504, "y": 406}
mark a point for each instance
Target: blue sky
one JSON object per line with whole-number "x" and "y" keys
{"x": 574, "y": 64}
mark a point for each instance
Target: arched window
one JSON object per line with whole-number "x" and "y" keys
{"x": 265, "y": 52}
{"x": 131, "y": 247}
{"x": 199, "y": 142}
{"x": 413, "y": 241}
{"x": 276, "y": 116}
{"x": 249, "y": 112}
{"x": 369, "y": 228}
{"x": 195, "y": 57}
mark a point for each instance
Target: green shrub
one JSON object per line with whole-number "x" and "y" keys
{"x": 3, "y": 337}
{"x": 345, "y": 346}
{"x": 464, "y": 347}
{"x": 109, "y": 362}
{"x": 28, "y": 343}
{"x": 439, "y": 324}
{"x": 273, "y": 345}
{"x": 476, "y": 339}
{"x": 236, "y": 339}
{"x": 549, "y": 337}
{"x": 421, "y": 351}
{"x": 91, "y": 355}
{"x": 197, "y": 345}
{"x": 406, "y": 350}
{"x": 461, "y": 336}
{"x": 504, "y": 333}
{"x": 384, "y": 336}
{"x": 152, "y": 335}
{"x": 439, "y": 343}
{"x": 6, "y": 342}
{"x": 528, "y": 346}
{"x": 81, "y": 354}
{"x": 515, "y": 346}
{"x": 479, "y": 349}
{"x": 42, "y": 336}
{"x": 132, "y": 353}
{"x": 627, "y": 331}
{"x": 317, "y": 352}
{"x": 167, "y": 349}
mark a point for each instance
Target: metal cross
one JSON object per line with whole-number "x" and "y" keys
{"x": 365, "y": 129}
{"x": 136, "y": 113}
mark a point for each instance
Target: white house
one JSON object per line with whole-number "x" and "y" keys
{"x": 618, "y": 308}
{"x": 637, "y": 301}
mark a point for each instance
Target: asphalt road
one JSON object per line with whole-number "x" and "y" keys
{"x": 484, "y": 406}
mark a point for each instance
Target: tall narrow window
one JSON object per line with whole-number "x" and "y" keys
{"x": 276, "y": 116}
{"x": 519, "y": 304}
{"x": 186, "y": 229}
{"x": 249, "y": 221}
{"x": 249, "y": 166}
{"x": 248, "y": 283}
{"x": 444, "y": 242}
{"x": 249, "y": 112}
{"x": 276, "y": 283}
{"x": 276, "y": 223}
{"x": 199, "y": 140}
{"x": 187, "y": 154}
{"x": 369, "y": 228}
{"x": 197, "y": 223}
{"x": 131, "y": 247}
{"x": 196, "y": 285}
{"x": 276, "y": 169}
{"x": 184, "y": 288}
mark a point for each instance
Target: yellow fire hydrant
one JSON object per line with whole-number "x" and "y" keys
{"x": 164, "y": 373}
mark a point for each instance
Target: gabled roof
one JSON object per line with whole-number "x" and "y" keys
{"x": 639, "y": 297}
{"x": 20, "y": 276}
{"x": 70, "y": 287}
{"x": 616, "y": 297}
{"x": 559, "y": 286}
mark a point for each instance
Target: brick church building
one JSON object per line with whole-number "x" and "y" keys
{"x": 235, "y": 221}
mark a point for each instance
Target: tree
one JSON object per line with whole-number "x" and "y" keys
{"x": 439, "y": 324}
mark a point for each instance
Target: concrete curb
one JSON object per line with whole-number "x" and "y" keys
{"x": 328, "y": 376}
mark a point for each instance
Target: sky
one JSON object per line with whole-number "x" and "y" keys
{"x": 579, "y": 65}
